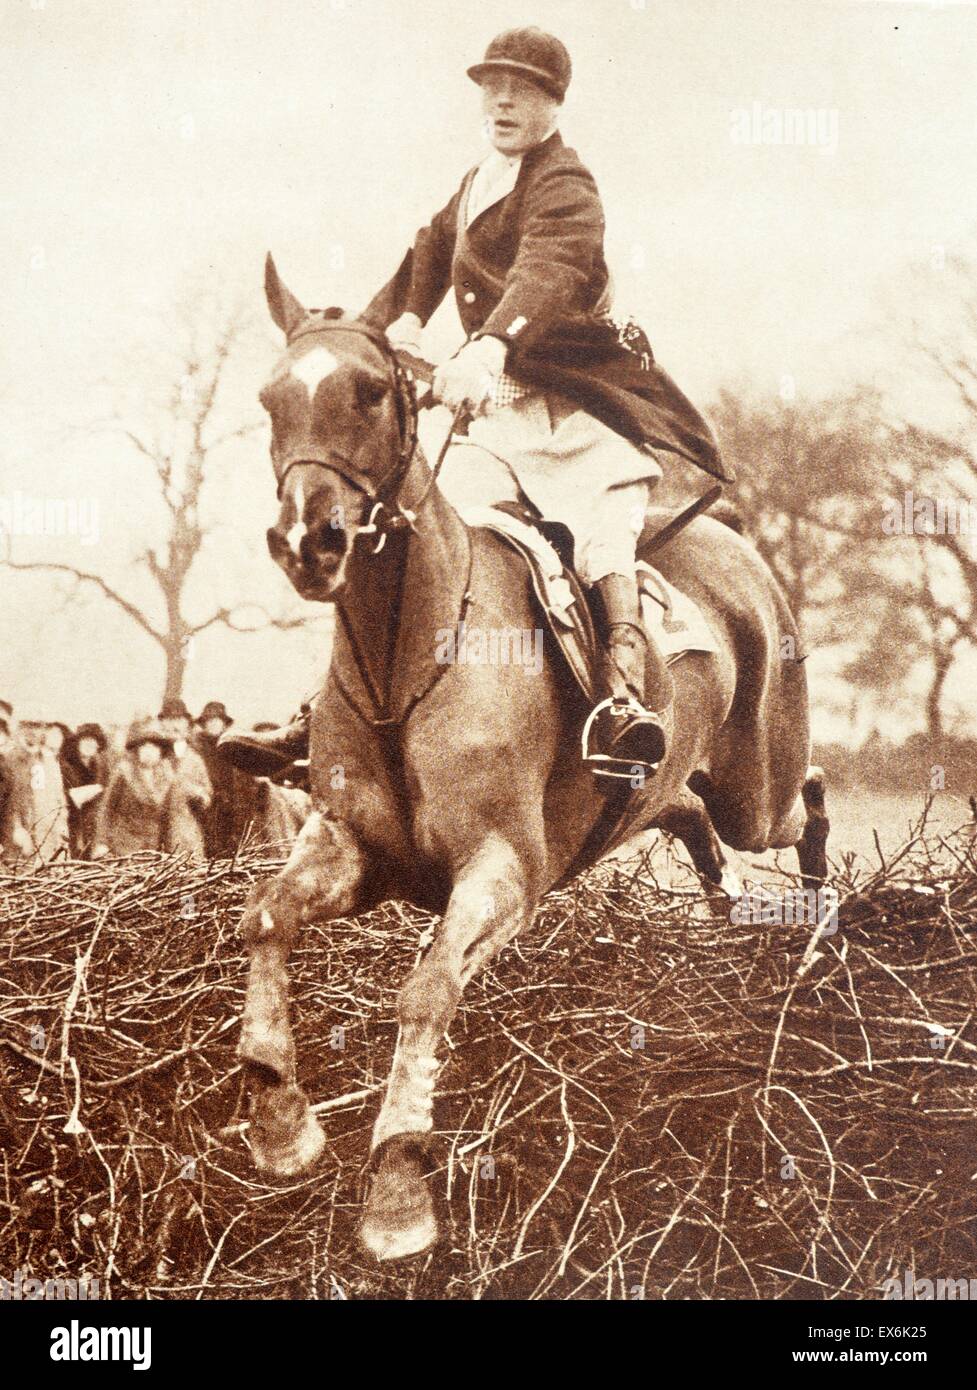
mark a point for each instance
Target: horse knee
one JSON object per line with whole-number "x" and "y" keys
{"x": 688, "y": 820}
{"x": 429, "y": 998}
{"x": 324, "y": 874}
{"x": 261, "y": 923}
{"x": 322, "y": 878}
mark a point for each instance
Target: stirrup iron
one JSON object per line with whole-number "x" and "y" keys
{"x": 607, "y": 764}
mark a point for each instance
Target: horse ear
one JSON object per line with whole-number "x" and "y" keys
{"x": 285, "y": 308}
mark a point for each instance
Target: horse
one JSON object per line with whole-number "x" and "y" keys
{"x": 459, "y": 786}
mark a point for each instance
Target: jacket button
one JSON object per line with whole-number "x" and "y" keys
{"x": 470, "y": 297}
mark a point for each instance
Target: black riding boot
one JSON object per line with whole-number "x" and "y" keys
{"x": 622, "y": 734}
{"x": 266, "y": 753}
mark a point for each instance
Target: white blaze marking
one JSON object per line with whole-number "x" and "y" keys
{"x": 295, "y": 533}
{"x": 313, "y": 367}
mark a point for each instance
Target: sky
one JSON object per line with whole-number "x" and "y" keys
{"x": 148, "y": 148}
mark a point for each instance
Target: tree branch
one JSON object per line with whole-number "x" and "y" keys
{"x": 83, "y": 576}
{"x": 227, "y": 618}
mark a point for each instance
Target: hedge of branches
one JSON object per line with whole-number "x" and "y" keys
{"x": 640, "y": 1098}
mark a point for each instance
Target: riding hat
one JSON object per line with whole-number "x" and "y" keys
{"x": 531, "y": 53}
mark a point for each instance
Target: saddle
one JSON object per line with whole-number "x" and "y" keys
{"x": 558, "y": 590}
{"x": 673, "y": 621}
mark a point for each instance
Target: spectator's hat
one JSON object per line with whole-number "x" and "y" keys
{"x": 94, "y": 731}
{"x": 147, "y": 731}
{"x": 530, "y": 53}
{"x": 174, "y": 709}
{"x": 214, "y": 709}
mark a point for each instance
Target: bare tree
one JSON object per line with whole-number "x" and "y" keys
{"x": 908, "y": 625}
{"x": 178, "y": 417}
{"x": 931, "y": 473}
{"x": 808, "y": 485}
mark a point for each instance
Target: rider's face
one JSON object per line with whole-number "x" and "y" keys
{"x": 518, "y": 114}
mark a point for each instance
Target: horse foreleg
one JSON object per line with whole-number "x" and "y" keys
{"x": 492, "y": 900}
{"x": 321, "y": 879}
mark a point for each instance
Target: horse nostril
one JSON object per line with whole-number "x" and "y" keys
{"x": 328, "y": 537}
{"x": 277, "y": 543}
{"x": 324, "y": 543}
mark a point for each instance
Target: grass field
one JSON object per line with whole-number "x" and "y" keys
{"x": 856, "y": 815}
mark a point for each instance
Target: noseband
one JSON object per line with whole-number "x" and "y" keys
{"x": 382, "y": 494}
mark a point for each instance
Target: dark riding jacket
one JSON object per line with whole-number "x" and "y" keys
{"x": 530, "y": 270}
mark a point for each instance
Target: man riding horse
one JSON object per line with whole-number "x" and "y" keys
{"x": 455, "y": 786}
{"x": 566, "y": 408}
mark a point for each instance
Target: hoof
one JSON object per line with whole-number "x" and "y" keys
{"x": 399, "y": 1220}
{"x": 286, "y": 1138}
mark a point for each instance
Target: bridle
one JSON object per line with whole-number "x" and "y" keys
{"x": 387, "y": 513}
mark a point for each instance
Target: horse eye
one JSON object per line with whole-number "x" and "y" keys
{"x": 371, "y": 393}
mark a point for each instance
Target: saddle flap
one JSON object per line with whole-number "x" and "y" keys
{"x": 673, "y": 621}
{"x": 557, "y": 589}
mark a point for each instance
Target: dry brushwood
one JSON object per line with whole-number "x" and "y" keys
{"x": 640, "y": 1098}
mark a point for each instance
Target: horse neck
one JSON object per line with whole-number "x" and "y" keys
{"x": 395, "y": 601}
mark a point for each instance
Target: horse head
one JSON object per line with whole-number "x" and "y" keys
{"x": 343, "y": 428}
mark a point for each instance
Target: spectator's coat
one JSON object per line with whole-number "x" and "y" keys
{"x": 75, "y": 773}
{"x": 132, "y": 813}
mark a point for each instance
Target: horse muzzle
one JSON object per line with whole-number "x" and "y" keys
{"x": 314, "y": 559}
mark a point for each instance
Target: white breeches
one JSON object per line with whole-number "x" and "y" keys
{"x": 575, "y": 469}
